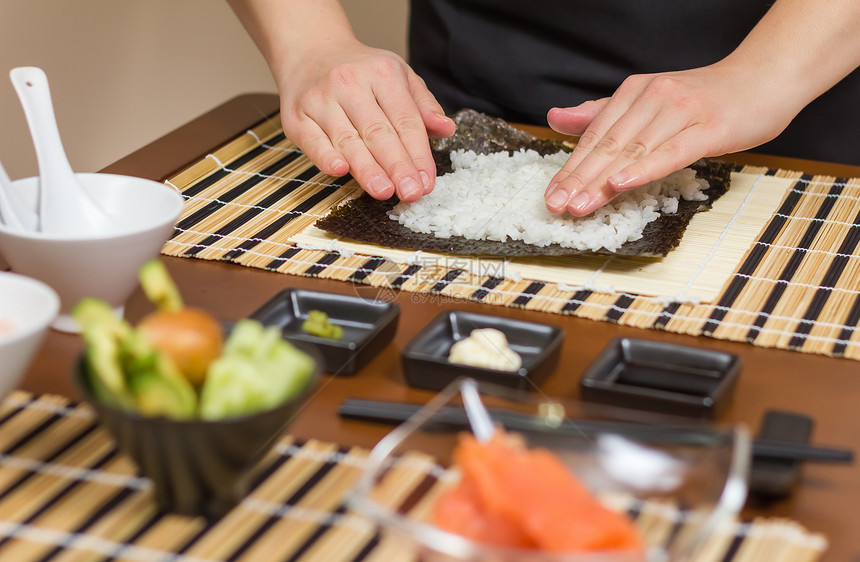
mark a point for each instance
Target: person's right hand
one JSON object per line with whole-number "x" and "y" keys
{"x": 353, "y": 108}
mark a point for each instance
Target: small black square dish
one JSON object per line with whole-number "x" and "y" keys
{"x": 368, "y": 325}
{"x": 425, "y": 358}
{"x": 669, "y": 378}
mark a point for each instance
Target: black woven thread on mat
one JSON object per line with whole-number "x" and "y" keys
{"x": 755, "y": 256}
{"x": 577, "y": 300}
{"x": 850, "y": 325}
{"x": 112, "y": 503}
{"x": 529, "y": 293}
{"x": 407, "y": 504}
{"x": 666, "y": 315}
{"x": 368, "y": 548}
{"x": 418, "y": 492}
{"x": 230, "y": 195}
{"x": 677, "y": 527}
{"x": 24, "y": 439}
{"x": 64, "y": 447}
{"x": 306, "y": 487}
{"x": 446, "y": 280}
{"x": 283, "y": 258}
{"x": 671, "y": 309}
{"x": 404, "y": 277}
{"x": 793, "y": 265}
{"x": 368, "y": 267}
{"x": 63, "y": 492}
{"x": 14, "y": 411}
{"x": 147, "y": 525}
{"x": 635, "y": 509}
{"x": 831, "y": 277}
{"x": 260, "y": 478}
{"x": 853, "y": 316}
{"x": 486, "y": 288}
{"x": 322, "y": 263}
{"x": 222, "y": 173}
{"x": 255, "y": 209}
{"x": 294, "y": 213}
{"x": 734, "y": 547}
{"x": 619, "y": 307}
{"x": 315, "y": 536}
{"x": 410, "y": 501}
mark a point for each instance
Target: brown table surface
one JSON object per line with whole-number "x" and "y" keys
{"x": 826, "y": 389}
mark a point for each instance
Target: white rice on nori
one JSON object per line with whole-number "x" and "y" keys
{"x": 499, "y": 196}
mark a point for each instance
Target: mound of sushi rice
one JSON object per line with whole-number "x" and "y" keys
{"x": 367, "y": 220}
{"x": 500, "y": 196}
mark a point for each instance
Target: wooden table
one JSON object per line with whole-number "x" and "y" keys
{"x": 825, "y": 388}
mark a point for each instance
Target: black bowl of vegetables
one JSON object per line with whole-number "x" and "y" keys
{"x": 198, "y": 438}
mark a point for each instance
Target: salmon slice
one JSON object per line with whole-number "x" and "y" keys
{"x": 532, "y": 497}
{"x": 459, "y": 510}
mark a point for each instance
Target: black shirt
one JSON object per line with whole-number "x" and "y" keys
{"x": 516, "y": 59}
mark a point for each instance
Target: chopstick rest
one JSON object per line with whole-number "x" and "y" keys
{"x": 773, "y": 476}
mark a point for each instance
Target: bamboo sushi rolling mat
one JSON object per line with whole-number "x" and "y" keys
{"x": 67, "y": 493}
{"x": 773, "y": 263}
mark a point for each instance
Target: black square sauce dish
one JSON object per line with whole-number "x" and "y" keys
{"x": 368, "y": 325}
{"x": 657, "y": 376}
{"x": 425, "y": 358}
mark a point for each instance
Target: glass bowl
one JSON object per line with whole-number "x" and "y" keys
{"x": 678, "y": 479}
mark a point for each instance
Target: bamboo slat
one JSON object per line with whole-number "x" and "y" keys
{"x": 774, "y": 263}
{"x": 68, "y": 494}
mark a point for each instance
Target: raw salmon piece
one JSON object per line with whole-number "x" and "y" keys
{"x": 534, "y": 489}
{"x": 459, "y": 510}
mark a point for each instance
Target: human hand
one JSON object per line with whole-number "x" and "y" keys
{"x": 353, "y": 108}
{"x": 658, "y": 123}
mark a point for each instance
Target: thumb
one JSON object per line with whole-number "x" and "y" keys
{"x": 574, "y": 120}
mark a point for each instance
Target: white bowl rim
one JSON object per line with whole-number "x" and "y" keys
{"x": 179, "y": 203}
{"x": 39, "y": 323}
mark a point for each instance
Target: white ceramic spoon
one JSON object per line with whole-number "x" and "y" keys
{"x": 476, "y": 412}
{"x": 14, "y": 213}
{"x": 65, "y": 208}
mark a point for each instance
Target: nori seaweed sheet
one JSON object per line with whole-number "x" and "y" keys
{"x": 365, "y": 219}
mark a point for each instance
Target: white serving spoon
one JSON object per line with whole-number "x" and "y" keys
{"x": 476, "y": 412}
{"x": 65, "y": 208}
{"x": 14, "y": 213}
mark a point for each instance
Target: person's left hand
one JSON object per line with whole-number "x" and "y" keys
{"x": 658, "y": 123}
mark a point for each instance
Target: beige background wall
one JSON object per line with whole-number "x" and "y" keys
{"x": 124, "y": 73}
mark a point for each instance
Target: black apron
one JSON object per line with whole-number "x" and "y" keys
{"x": 516, "y": 59}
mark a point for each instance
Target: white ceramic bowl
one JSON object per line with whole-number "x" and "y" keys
{"x": 104, "y": 265}
{"x": 27, "y": 307}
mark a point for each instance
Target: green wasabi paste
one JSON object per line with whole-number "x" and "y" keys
{"x": 317, "y": 324}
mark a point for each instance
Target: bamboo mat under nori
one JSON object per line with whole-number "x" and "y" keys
{"x": 796, "y": 287}
{"x": 67, "y": 493}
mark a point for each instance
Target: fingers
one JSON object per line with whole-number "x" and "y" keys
{"x": 611, "y": 133}
{"x": 574, "y": 120}
{"x": 635, "y": 138}
{"x": 650, "y": 156}
{"x": 307, "y": 135}
{"x": 437, "y": 123}
{"x": 404, "y": 112}
{"x": 371, "y": 119}
{"x": 349, "y": 141}
{"x": 674, "y": 154}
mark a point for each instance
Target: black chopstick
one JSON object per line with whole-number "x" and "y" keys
{"x": 768, "y": 448}
{"x": 379, "y": 411}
